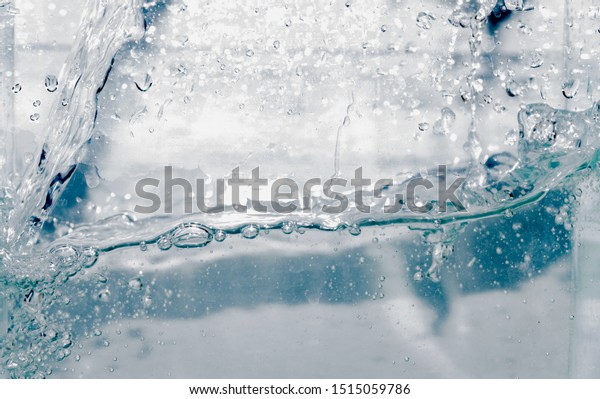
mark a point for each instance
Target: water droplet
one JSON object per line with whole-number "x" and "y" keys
{"x": 97, "y": 332}
{"x": 509, "y": 213}
{"x": 288, "y": 227}
{"x": 101, "y": 278}
{"x": 34, "y": 117}
{"x": 572, "y": 317}
{"x": 384, "y": 28}
{"x": 423, "y": 126}
{"x": 135, "y": 284}
{"x": 64, "y": 102}
{"x": 164, "y": 243}
{"x": 191, "y": 235}
{"x": 442, "y": 126}
{"x": 348, "y": 4}
{"x": 37, "y": 103}
{"x": 249, "y": 53}
{"x": 250, "y": 231}
{"x": 16, "y": 88}
{"x": 288, "y": 23}
{"x": 146, "y": 84}
{"x": 382, "y": 278}
{"x": 143, "y": 246}
{"x": 570, "y": 88}
{"x": 51, "y": 83}
{"x": 106, "y": 343}
{"x": 418, "y": 276}
{"x": 424, "y": 20}
{"x": 406, "y": 358}
{"x": 354, "y": 230}
{"x": 276, "y": 44}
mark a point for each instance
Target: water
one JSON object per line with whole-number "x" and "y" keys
{"x": 303, "y": 93}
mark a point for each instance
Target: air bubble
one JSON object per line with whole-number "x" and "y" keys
{"x": 34, "y": 117}
{"x": 220, "y": 236}
{"x": 103, "y": 296}
{"x": 135, "y": 284}
{"x": 536, "y": 59}
{"x": 424, "y": 20}
{"x": 51, "y": 83}
{"x": 37, "y": 103}
{"x": 249, "y": 53}
{"x": 16, "y": 88}
{"x": 191, "y": 235}
{"x": 146, "y": 84}
{"x": 250, "y": 231}
{"x": 89, "y": 256}
{"x": 288, "y": 227}
{"x": 354, "y": 230}
{"x": 64, "y": 255}
{"x": 164, "y": 243}
{"x": 570, "y": 88}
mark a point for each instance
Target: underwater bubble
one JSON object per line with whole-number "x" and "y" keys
{"x": 103, "y": 295}
{"x": 220, "y": 236}
{"x": 143, "y": 246}
{"x": 288, "y": 227}
{"x": 164, "y": 243}
{"x": 16, "y": 88}
{"x": 276, "y": 44}
{"x": 384, "y": 28}
{"x": 146, "y": 84}
{"x": 423, "y": 126}
{"x": 191, "y": 235}
{"x": 250, "y": 231}
{"x": 89, "y": 256}
{"x": 135, "y": 284}
{"x": 51, "y": 83}
{"x": 424, "y": 20}
{"x": 64, "y": 255}
{"x": 287, "y": 22}
{"x": 34, "y": 117}
{"x": 536, "y": 59}
{"x": 64, "y": 102}
{"x": 249, "y": 53}
{"x": 37, "y": 103}
{"x": 570, "y": 88}
{"x": 418, "y": 276}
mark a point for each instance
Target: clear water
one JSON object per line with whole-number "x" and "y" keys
{"x": 503, "y": 93}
